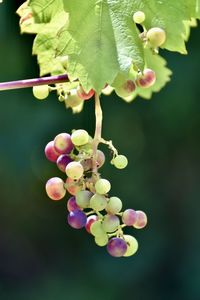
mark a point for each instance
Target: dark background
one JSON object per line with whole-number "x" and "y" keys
{"x": 43, "y": 258}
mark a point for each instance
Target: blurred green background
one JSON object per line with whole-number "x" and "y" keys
{"x": 43, "y": 258}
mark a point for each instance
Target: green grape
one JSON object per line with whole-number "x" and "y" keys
{"x": 110, "y": 223}
{"x": 41, "y": 91}
{"x": 83, "y": 198}
{"x": 96, "y": 228}
{"x": 80, "y": 137}
{"x": 120, "y": 161}
{"x": 73, "y": 100}
{"x": 98, "y": 202}
{"x": 139, "y": 17}
{"x": 156, "y": 36}
{"x": 114, "y": 205}
{"x": 74, "y": 170}
{"x": 102, "y": 186}
{"x": 101, "y": 240}
{"x": 132, "y": 245}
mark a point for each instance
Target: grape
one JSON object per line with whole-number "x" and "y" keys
{"x": 73, "y": 100}
{"x": 156, "y": 36}
{"x": 132, "y": 245}
{"x": 141, "y": 219}
{"x": 50, "y": 152}
{"x": 126, "y": 89}
{"x": 101, "y": 240}
{"x": 147, "y": 79}
{"x": 41, "y": 91}
{"x": 63, "y": 143}
{"x": 110, "y": 223}
{"x": 96, "y": 228}
{"x": 80, "y": 137}
{"x": 102, "y": 186}
{"x": 139, "y": 17}
{"x": 120, "y": 161}
{"x": 98, "y": 202}
{"x": 74, "y": 170}
{"x": 116, "y": 247}
{"x": 87, "y": 164}
{"x": 73, "y": 186}
{"x": 90, "y": 220}
{"x": 72, "y": 205}
{"x": 62, "y": 161}
{"x": 83, "y": 198}
{"x": 114, "y": 205}
{"x": 129, "y": 217}
{"x": 100, "y": 158}
{"x": 82, "y": 94}
{"x": 55, "y": 188}
{"x": 77, "y": 219}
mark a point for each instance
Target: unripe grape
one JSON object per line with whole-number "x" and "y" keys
{"x": 147, "y": 79}
{"x": 114, "y": 205}
{"x": 90, "y": 220}
{"x": 126, "y": 89}
{"x": 102, "y": 186}
{"x": 110, "y": 223}
{"x": 73, "y": 186}
{"x": 74, "y": 170}
{"x": 96, "y": 228}
{"x": 98, "y": 202}
{"x": 129, "y": 217}
{"x": 141, "y": 219}
{"x": 83, "y": 198}
{"x": 132, "y": 245}
{"x": 156, "y": 36}
{"x": 83, "y": 95}
{"x": 72, "y": 205}
{"x": 120, "y": 161}
{"x": 73, "y": 100}
{"x": 116, "y": 247}
{"x": 50, "y": 152}
{"x": 80, "y": 137}
{"x": 62, "y": 161}
{"x": 41, "y": 91}
{"x": 77, "y": 219}
{"x": 139, "y": 17}
{"x": 101, "y": 240}
{"x": 55, "y": 188}
{"x": 63, "y": 143}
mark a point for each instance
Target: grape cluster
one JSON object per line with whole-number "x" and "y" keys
{"x": 90, "y": 205}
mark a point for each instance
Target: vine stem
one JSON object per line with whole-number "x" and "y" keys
{"x": 21, "y": 84}
{"x": 98, "y": 130}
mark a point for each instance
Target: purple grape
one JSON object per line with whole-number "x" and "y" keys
{"x": 77, "y": 219}
{"x": 50, "y": 152}
{"x": 63, "y": 143}
{"x": 116, "y": 247}
{"x": 72, "y": 205}
{"x": 62, "y": 161}
{"x": 129, "y": 217}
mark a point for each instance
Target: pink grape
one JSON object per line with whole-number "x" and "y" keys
{"x": 77, "y": 219}
{"x": 73, "y": 186}
{"x": 72, "y": 205}
{"x": 63, "y": 143}
{"x": 147, "y": 79}
{"x": 62, "y": 161}
{"x": 116, "y": 247}
{"x": 100, "y": 158}
{"x": 50, "y": 152}
{"x": 83, "y": 95}
{"x": 141, "y": 219}
{"x": 90, "y": 220}
{"x": 55, "y": 188}
{"x": 129, "y": 217}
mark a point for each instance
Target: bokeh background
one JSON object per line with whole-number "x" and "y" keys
{"x": 43, "y": 258}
